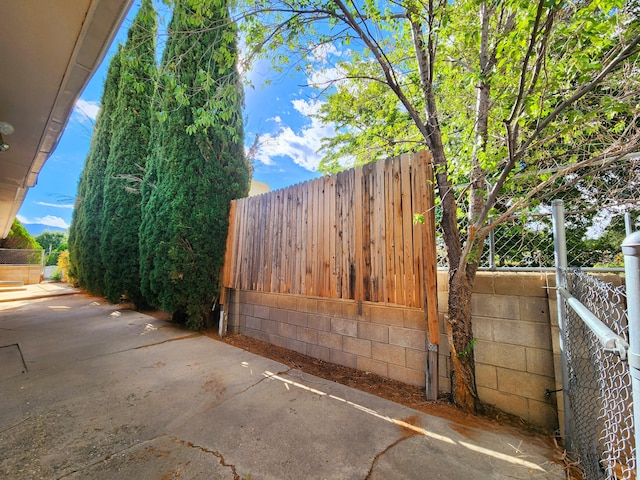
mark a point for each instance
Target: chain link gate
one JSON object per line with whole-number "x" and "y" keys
{"x": 594, "y": 321}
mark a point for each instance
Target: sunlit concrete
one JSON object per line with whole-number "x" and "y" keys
{"x": 111, "y": 393}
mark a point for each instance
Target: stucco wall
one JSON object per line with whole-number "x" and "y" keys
{"x": 512, "y": 324}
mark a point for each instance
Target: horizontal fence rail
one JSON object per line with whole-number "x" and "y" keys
{"x": 349, "y": 236}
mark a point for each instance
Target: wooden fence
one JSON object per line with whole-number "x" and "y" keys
{"x": 349, "y": 236}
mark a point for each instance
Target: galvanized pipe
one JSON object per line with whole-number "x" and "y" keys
{"x": 631, "y": 251}
{"x": 560, "y": 253}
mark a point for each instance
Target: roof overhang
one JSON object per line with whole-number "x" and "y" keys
{"x": 49, "y": 54}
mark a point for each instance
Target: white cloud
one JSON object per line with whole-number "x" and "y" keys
{"x": 55, "y": 205}
{"x": 302, "y": 146}
{"x": 86, "y": 110}
{"x": 322, "y": 52}
{"x": 49, "y": 221}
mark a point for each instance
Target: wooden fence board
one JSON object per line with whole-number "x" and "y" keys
{"x": 350, "y": 235}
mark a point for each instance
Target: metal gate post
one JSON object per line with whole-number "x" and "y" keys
{"x": 631, "y": 251}
{"x": 560, "y": 253}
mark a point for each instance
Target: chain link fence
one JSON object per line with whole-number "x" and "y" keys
{"x": 9, "y": 256}
{"x": 598, "y": 381}
{"x": 526, "y": 241}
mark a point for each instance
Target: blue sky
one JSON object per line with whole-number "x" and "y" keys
{"x": 279, "y": 113}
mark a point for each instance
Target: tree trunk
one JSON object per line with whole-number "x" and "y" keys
{"x": 461, "y": 341}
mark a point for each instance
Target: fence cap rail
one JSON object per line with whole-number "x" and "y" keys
{"x": 631, "y": 245}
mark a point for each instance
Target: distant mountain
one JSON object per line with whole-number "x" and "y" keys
{"x": 36, "y": 229}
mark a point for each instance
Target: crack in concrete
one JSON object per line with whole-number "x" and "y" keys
{"x": 184, "y": 337}
{"x": 407, "y": 433}
{"x": 215, "y": 453}
{"x": 245, "y": 390}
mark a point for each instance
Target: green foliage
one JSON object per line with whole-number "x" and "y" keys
{"x": 51, "y": 241}
{"x": 119, "y": 244}
{"x": 196, "y": 163}
{"x": 64, "y": 267}
{"x": 19, "y": 238}
{"x": 86, "y": 225}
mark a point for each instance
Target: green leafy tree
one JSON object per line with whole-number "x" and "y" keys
{"x": 516, "y": 100}
{"x": 51, "y": 241}
{"x": 19, "y": 238}
{"x": 196, "y": 164}
{"x": 85, "y": 259}
{"x": 121, "y": 215}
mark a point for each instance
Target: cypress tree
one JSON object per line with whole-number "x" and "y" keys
{"x": 86, "y": 223}
{"x": 127, "y": 157}
{"x": 196, "y": 164}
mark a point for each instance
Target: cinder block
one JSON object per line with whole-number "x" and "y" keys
{"x": 407, "y": 337}
{"x": 245, "y": 309}
{"x": 495, "y": 306}
{"x": 287, "y": 302}
{"x": 253, "y": 323}
{"x": 534, "y": 309}
{"x": 501, "y": 355}
{"x": 373, "y": 331}
{"x": 357, "y": 346}
{"x": 345, "y": 327}
{"x": 321, "y": 353}
{"x": 544, "y": 415}
{"x": 350, "y": 309}
{"x": 307, "y": 335}
{"x": 297, "y": 318}
{"x": 387, "y": 315}
{"x": 483, "y": 328}
{"x": 483, "y": 282}
{"x": 486, "y": 376}
{"x": 260, "y": 311}
{"x": 330, "y": 340}
{"x": 416, "y": 359}
{"x": 555, "y": 339}
{"x": 444, "y": 385}
{"x": 443, "y": 280}
{"x": 373, "y": 366}
{"x": 278, "y": 315}
{"x": 267, "y": 299}
{"x": 506, "y": 402}
{"x": 529, "y": 334}
{"x": 344, "y": 358}
{"x": 270, "y": 326}
{"x": 286, "y": 330}
{"x": 416, "y": 319}
{"x": 443, "y": 301}
{"x": 332, "y": 308}
{"x": 306, "y": 304}
{"x": 540, "y": 362}
{"x": 407, "y": 375}
{"x": 444, "y": 365}
{"x": 296, "y": 346}
{"x": 524, "y": 384}
{"x": 276, "y": 340}
{"x": 319, "y": 322}
{"x": 389, "y": 353}
{"x": 526, "y": 284}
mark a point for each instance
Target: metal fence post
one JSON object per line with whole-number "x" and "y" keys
{"x": 560, "y": 253}
{"x": 631, "y": 251}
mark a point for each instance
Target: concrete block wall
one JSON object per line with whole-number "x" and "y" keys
{"x": 514, "y": 349}
{"x": 27, "y": 274}
{"x": 514, "y": 318}
{"x": 387, "y": 340}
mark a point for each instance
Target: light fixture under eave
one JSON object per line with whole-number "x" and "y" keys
{"x": 5, "y": 129}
